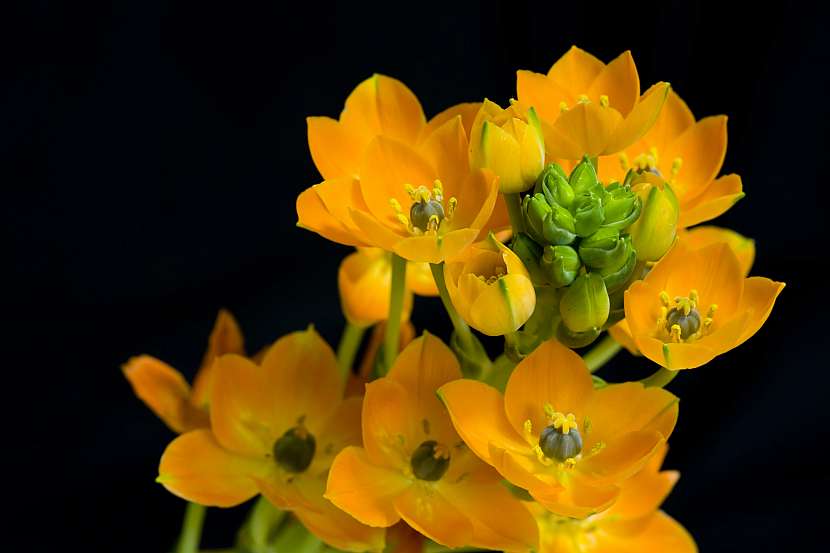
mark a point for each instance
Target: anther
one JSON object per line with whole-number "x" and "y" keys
{"x": 624, "y": 163}
{"x": 603, "y": 100}
{"x": 583, "y": 99}
{"x": 563, "y": 106}
{"x": 676, "y": 164}
{"x": 676, "y": 333}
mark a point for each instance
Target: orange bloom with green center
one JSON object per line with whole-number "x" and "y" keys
{"x": 689, "y": 155}
{"x": 696, "y": 304}
{"x": 165, "y": 391}
{"x": 274, "y": 430}
{"x": 569, "y": 445}
{"x": 589, "y": 108}
{"x": 632, "y": 525}
{"x": 414, "y": 466}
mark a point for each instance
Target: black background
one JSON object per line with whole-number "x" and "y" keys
{"x": 150, "y": 157}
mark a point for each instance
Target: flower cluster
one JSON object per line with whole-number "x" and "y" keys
{"x": 570, "y": 213}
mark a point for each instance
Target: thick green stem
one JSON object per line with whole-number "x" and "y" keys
{"x": 601, "y": 353}
{"x": 514, "y": 210}
{"x": 191, "y": 535}
{"x": 659, "y": 379}
{"x": 348, "y": 346}
{"x": 393, "y": 324}
{"x": 462, "y": 330}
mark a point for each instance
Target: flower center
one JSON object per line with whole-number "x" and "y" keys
{"x": 561, "y": 440}
{"x": 430, "y": 461}
{"x": 584, "y": 99}
{"x": 680, "y": 320}
{"x": 647, "y": 162}
{"x": 294, "y": 450}
{"x": 427, "y": 210}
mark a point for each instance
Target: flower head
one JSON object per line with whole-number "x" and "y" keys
{"x": 274, "y": 430}
{"x": 167, "y": 393}
{"x": 414, "y": 466}
{"x": 696, "y": 304}
{"x": 569, "y": 445}
{"x": 589, "y": 108}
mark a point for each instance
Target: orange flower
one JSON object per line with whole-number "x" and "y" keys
{"x": 414, "y": 466}
{"x": 357, "y": 382}
{"x": 589, "y": 108}
{"x": 274, "y": 430}
{"x": 632, "y": 525}
{"x": 689, "y": 155}
{"x": 165, "y": 391}
{"x": 695, "y": 305}
{"x": 569, "y": 445}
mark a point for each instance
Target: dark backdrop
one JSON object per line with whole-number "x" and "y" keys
{"x": 150, "y": 157}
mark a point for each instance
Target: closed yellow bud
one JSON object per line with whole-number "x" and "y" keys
{"x": 508, "y": 145}
{"x": 654, "y": 232}
{"x": 365, "y": 281}
{"x": 490, "y": 288}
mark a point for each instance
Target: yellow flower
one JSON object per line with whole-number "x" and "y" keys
{"x": 165, "y": 391}
{"x": 589, "y": 108}
{"x": 414, "y": 466}
{"x": 696, "y": 304}
{"x": 569, "y": 445}
{"x": 512, "y": 148}
{"x": 274, "y": 430}
{"x": 632, "y": 524}
{"x": 689, "y": 155}
{"x": 490, "y": 288}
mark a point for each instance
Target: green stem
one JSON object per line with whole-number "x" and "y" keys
{"x": 514, "y": 210}
{"x": 659, "y": 379}
{"x": 191, "y": 534}
{"x": 462, "y": 330}
{"x": 601, "y": 353}
{"x": 393, "y": 323}
{"x": 348, "y": 346}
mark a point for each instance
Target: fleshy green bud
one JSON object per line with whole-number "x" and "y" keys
{"x": 294, "y": 450}
{"x": 430, "y": 461}
{"x": 603, "y": 249}
{"x": 560, "y": 265}
{"x": 530, "y": 253}
{"x": 553, "y": 184}
{"x": 617, "y": 275}
{"x": 654, "y": 232}
{"x": 584, "y": 177}
{"x": 547, "y": 224}
{"x": 576, "y": 339}
{"x": 585, "y": 304}
{"x": 588, "y": 213}
{"x": 622, "y": 206}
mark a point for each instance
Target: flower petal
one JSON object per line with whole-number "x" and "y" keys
{"x": 621, "y": 458}
{"x": 619, "y": 81}
{"x": 195, "y": 467}
{"x": 339, "y": 196}
{"x": 640, "y": 120}
{"x": 364, "y": 490}
{"x": 757, "y": 301}
{"x": 476, "y": 200}
{"x": 313, "y": 215}
{"x": 576, "y": 70}
{"x": 643, "y": 493}
{"x": 553, "y": 374}
{"x": 226, "y": 337}
{"x": 467, "y": 111}
{"x": 435, "y": 249}
{"x": 575, "y": 500}
{"x": 381, "y": 105}
{"x": 504, "y": 306}
{"x": 542, "y": 93}
{"x": 165, "y": 391}
{"x": 621, "y": 333}
{"x": 447, "y": 150}
{"x": 701, "y": 148}
{"x": 419, "y": 279}
{"x": 364, "y": 280}
{"x": 377, "y": 234}
{"x": 390, "y": 433}
{"x": 588, "y": 125}
{"x": 720, "y": 195}
{"x": 343, "y": 429}
{"x": 426, "y": 510}
{"x": 660, "y": 533}
{"x": 674, "y": 119}
{"x": 336, "y": 151}
{"x": 743, "y": 247}
{"x": 340, "y": 530}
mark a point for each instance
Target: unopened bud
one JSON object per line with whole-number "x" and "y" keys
{"x": 560, "y": 265}
{"x": 654, "y": 232}
{"x": 585, "y": 305}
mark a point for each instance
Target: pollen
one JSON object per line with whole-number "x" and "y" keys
{"x": 680, "y": 319}
{"x": 603, "y": 100}
{"x": 427, "y": 213}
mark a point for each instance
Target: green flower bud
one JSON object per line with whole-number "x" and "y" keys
{"x": 588, "y": 213}
{"x": 530, "y": 253}
{"x": 584, "y": 177}
{"x": 654, "y": 232}
{"x": 560, "y": 265}
{"x": 622, "y": 206}
{"x": 585, "y": 305}
{"x": 603, "y": 249}
{"x": 553, "y": 184}
{"x": 616, "y": 275}
{"x": 547, "y": 224}
{"x": 535, "y": 209}
{"x": 576, "y": 339}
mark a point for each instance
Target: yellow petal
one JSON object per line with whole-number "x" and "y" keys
{"x": 364, "y": 490}
{"x": 543, "y": 94}
{"x": 621, "y": 408}
{"x": 339, "y": 196}
{"x": 476, "y": 200}
{"x": 757, "y": 301}
{"x": 381, "y": 105}
{"x": 576, "y": 70}
{"x": 643, "y": 493}
{"x": 575, "y": 500}
{"x": 640, "y": 120}
{"x": 313, "y": 215}
{"x": 467, "y": 111}
{"x": 419, "y": 279}
{"x": 165, "y": 391}
{"x": 226, "y": 337}
{"x": 426, "y": 510}
{"x": 553, "y": 374}
{"x": 621, "y": 458}
{"x": 619, "y": 81}
{"x": 660, "y": 533}
{"x": 390, "y": 433}
{"x": 364, "y": 281}
{"x": 588, "y": 125}
{"x": 504, "y": 306}
{"x": 674, "y": 119}
{"x": 718, "y": 197}
{"x": 743, "y": 247}
{"x": 377, "y": 234}
{"x": 336, "y": 152}
{"x": 343, "y": 429}
{"x": 195, "y": 467}
{"x": 621, "y": 333}
{"x": 676, "y": 356}
{"x": 435, "y": 249}
{"x": 340, "y": 530}
{"x": 501, "y": 154}
{"x": 447, "y": 150}
{"x": 701, "y": 148}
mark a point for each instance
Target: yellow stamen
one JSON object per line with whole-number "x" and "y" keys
{"x": 528, "y": 427}
{"x": 569, "y": 463}
{"x": 540, "y": 455}
{"x": 664, "y": 298}
{"x": 675, "y": 333}
{"x": 712, "y": 309}
{"x": 451, "y": 205}
{"x": 563, "y": 106}
{"x": 583, "y": 99}
{"x": 676, "y": 164}
{"x": 564, "y": 423}
{"x": 603, "y": 100}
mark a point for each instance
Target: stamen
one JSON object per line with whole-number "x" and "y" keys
{"x": 624, "y": 164}
{"x": 540, "y": 455}
{"x": 676, "y": 164}
{"x": 452, "y": 204}
{"x": 569, "y": 463}
{"x": 563, "y": 106}
{"x": 712, "y": 309}
{"x": 583, "y": 99}
{"x": 664, "y": 298}
{"x": 675, "y": 333}
{"x": 603, "y": 100}
{"x": 528, "y": 427}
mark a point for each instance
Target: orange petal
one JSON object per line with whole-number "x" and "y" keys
{"x": 340, "y": 196}
{"x": 364, "y": 281}
{"x": 435, "y": 249}
{"x": 381, "y": 105}
{"x": 720, "y": 195}
{"x": 619, "y": 81}
{"x": 621, "y": 458}
{"x": 165, "y": 391}
{"x": 642, "y": 494}
{"x": 195, "y": 467}
{"x": 674, "y": 119}
{"x": 476, "y": 200}
{"x": 553, "y": 374}
{"x": 743, "y": 247}
{"x": 226, "y": 337}
{"x": 542, "y": 93}
{"x": 621, "y": 333}
{"x": 390, "y": 433}
{"x": 577, "y": 500}
{"x": 336, "y": 151}
{"x": 340, "y": 530}
{"x": 426, "y": 510}
{"x": 660, "y": 533}
{"x": 589, "y": 126}
{"x": 504, "y": 306}
{"x": 477, "y": 412}
{"x": 701, "y": 148}
{"x": 642, "y": 117}
{"x": 467, "y": 111}
{"x": 377, "y": 234}
{"x": 757, "y": 301}
{"x": 419, "y": 279}
{"x": 576, "y": 70}
{"x": 343, "y": 429}
{"x": 675, "y": 356}
{"x": 313, "y": 215}
{"x": 364, "y": 490}
{"x": 621, "y": 408}
{"x": 447, "y": 150}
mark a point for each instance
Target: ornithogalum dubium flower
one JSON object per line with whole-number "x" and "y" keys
{"x": 695, "y": 305}
{"x": 274, "y": 429}
{"x": 551, "y": 433}
{"x": 413, "y": 466}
